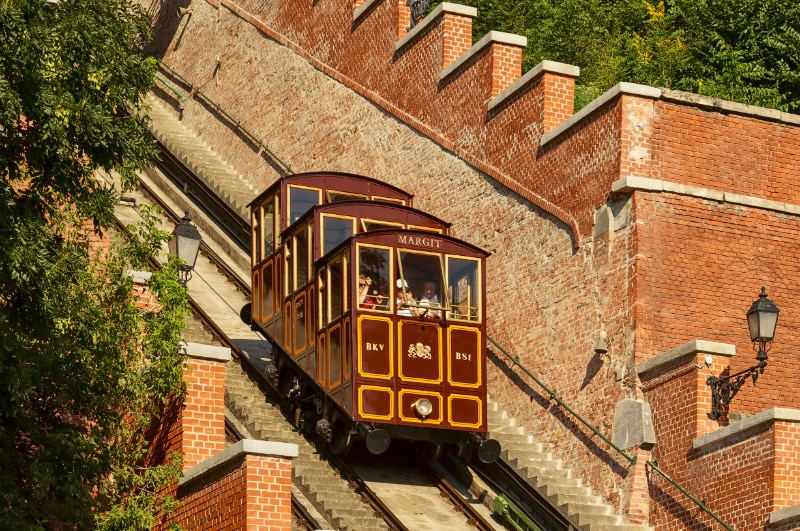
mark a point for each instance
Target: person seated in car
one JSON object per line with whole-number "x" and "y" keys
{"x": 404, "y": 300}
{"x": 364, "y": 299}
{"x": 430, "y": 297}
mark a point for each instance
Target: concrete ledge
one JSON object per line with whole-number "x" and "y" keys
{"x": 444, "y": 7}
{"x": 206, "y": 352}
{"x": 487, "y": 40}
{"x": 754, "y": 421}
{"x": 616, "y": 91}
{"x": 729, "y": 106}
{"x": 243, "y": 447}
{"x": 633, "y": 183}
{"x": 696, "y": 191}
{"x": 691, "y": 348}
{"x": 366, "y": 6}
{"x": 139, "y": 277}
{"x": 532, "y": 74}
{"x": 785, "y": 515}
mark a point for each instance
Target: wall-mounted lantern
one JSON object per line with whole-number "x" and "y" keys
{"x": 762, "y": 319}
{"x": 185, "y": 244}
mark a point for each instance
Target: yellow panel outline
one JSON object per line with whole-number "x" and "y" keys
{"x": 401, "y": 356}
{"x": 414, "y": 419}
{"x": 300, "y": 295}
{"x": 477, "y": 399}
{"x": 361, "y": 371}
{"x": 388, "y": 199}
{"x": 478, "y": 351}
{"x": 326, "y": 356}
{"x": 390, "y": 267}
{"x": 387, "y": 390}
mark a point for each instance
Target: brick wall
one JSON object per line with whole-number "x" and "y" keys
{"x": 247, "y": 487}
{"x": 698, "y": 194}
{"x": 243, "y": 486}
{"x": 744, "y": 473}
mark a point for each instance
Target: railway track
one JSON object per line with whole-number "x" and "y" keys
{"x": 455, "y": 511}
{"x": 178, "y": 189}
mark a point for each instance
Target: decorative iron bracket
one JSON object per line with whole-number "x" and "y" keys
{"x": 418, "y": 10}
{"x": 723, "y": 389}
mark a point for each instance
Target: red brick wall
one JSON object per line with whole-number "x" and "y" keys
{"x": 742, "y": 478}
{"x": 327, "y": 92}
{"x": 194, "y": 425}
{"x": 252, "y": 492}
{"x": 700, "y": 266}
{"x": 203, "y": 415}
{"x": 243, "y": 489}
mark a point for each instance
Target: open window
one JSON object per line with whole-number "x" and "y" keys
{"x": 371, "y": 224}
{"x": 337, "y": 197}
{"x": 268, "y": 227}
{"x": 421, "y": 282}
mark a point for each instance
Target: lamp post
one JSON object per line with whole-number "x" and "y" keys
{"x": 185, "y": 244}
{"x": 762, "y": 319}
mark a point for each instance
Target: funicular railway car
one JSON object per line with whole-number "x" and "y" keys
{"x": 377, "y": 315}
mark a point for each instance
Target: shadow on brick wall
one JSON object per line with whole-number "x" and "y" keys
{"x": 567, "y": 421}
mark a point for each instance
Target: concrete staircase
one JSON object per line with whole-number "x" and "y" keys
{"x": 316, "y": 479}
{"x": 199, "y": 158}
{"x": 333, "y": 498}
{"x": 540, "y": 469}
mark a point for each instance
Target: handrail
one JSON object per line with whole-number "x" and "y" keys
{"x": 632, "y": 459}
{"x": 194, "y": 90}
{"x": 513, "y": 516}
{"x": 552, "y": 396}
{"x": 173, "y": 89}
{"x": 654, "y": 465}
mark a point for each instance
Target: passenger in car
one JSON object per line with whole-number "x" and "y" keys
{"x": 364, "y": 299}
{"x": 404, "y": 299}
{"x": 430, "y": 297}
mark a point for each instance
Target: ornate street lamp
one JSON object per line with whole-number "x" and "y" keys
{"x": 185, "y": 244}
{"x": 418, "y": 10}
{"x": 762, "y": 319}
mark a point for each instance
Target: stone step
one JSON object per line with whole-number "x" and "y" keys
{"x": 547, "y": 473}
{"x": 324, "y": 488}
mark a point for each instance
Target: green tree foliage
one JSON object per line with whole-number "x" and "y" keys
{"x": 746, "y": 51}
{"x": 82, "y": 368}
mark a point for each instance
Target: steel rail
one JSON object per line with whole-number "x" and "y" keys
{"x": 284, "y": 168}
{"x": 473, "y": 516}
{"x": 632, "y": 459}
{"x": 528, "y": 498}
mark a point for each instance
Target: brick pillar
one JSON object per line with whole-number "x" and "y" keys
{"x": 269, "y": 492}
{"x": 506, "y": 64}
{"x": 202, "y": 419}
{"x": 559, "y": 99}
{"x": 551, "y": 83}
{"x": 246, "y": 487}
{"x": 403, "y": 18}
{"x": 681, "y": 374}
{"x": 457, "y": 38}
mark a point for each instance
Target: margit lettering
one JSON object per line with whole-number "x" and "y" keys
{"x": 420, "y": 241}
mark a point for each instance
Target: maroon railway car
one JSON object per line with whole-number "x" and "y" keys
{"x": 377, "y": 315}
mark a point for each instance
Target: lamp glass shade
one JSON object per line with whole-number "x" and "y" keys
{"x": 185, "y": 242}
{"x": 762, "y": 318}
